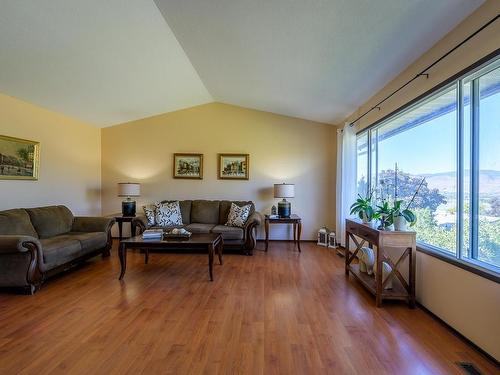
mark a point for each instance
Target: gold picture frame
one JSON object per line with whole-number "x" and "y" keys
{"x": 19, "y": 159}
{"x": 188, "y": 166}
{"x": 234, "y": 167}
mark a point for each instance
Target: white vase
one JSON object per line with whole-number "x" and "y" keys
{"x": 400, "y": 224}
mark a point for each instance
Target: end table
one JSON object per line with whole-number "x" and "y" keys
{"x": 125, "y": 219}
{"x": 293, "y": 219}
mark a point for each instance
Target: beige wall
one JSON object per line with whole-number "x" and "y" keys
{"x": 469, "y": 303}
{"x": 282, "y": 149}
{"x": 70, "y": 159}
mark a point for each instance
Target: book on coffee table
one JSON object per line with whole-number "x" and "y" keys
{"x": 152, "y": 234}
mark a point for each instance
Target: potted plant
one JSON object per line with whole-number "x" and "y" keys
{"x": 385, "y": 213}
{"x": 402, "y": 216}
{"x": 363, "y": 208}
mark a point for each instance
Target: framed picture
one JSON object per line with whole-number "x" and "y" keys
{"x": 233, "y": 166}
{"x": 19, "y": 159}
{"x": 188, "y": 166}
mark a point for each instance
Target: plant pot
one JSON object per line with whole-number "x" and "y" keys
{"x": 400, "y": 224}
{"x": 365, "y": 219}
{"x": 389, "y": 227}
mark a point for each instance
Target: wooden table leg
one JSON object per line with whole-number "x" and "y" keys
{"x": 122, "y": 252}
{"x": 146, "y": 256}
{"x": 120, "y": 230}
{"x": 299, "y": 231}
{"x": 219, "y": 250}
{"x": 211, "y": 261}
{"x": 266, "y": 226}
{"x": 412, "y": 265}
{"x": 347, "y": 253}
{"x": 378, "y": 278}
{"x": 294, "y": 233}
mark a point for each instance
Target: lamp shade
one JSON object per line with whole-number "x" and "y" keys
{"x": 284, "y": 190}
{"x": 129, "y": 189}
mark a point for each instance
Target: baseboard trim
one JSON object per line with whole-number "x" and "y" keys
{"x": 460, "y": 336}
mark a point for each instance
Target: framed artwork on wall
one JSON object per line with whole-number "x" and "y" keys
{"x": 19, "y": 159}
{"x": 188, "y": 166}
{"x": 233, "y": 166}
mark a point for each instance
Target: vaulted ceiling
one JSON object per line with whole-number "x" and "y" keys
{"x": 107, "y": 62}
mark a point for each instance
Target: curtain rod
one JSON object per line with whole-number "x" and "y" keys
{"x": 423, "y": 72}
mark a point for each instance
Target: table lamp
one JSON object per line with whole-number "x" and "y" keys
{"x": 284, "y": 191}
{"x": 128, "y": 189}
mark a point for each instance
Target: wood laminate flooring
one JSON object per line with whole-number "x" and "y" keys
{"x": 278, "y": 312}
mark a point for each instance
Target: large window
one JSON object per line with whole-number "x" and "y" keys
{"x": 451, "y": 141}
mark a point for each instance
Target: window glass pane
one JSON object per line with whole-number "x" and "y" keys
{"x": 467, "y": 166}
{"x": 422, "y": 142}
{"x": 362, "y": 164}
{"x": 489, "y": 168}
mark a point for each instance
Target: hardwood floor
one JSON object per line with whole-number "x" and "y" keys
{"x": 278, "y": 312}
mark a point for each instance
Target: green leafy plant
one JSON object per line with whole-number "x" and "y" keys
{"x": 363, "y": 208}
{"x": 408, "y": 215}
{"x": 386, "y": 214}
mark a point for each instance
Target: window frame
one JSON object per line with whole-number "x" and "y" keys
{"x": 470, "y": 74}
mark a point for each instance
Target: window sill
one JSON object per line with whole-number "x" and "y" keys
{"x": 468, "y": 266}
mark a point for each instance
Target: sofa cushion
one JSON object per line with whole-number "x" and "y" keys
{"x": 90, "y": 241}
{"x": 199, "y": 227}
{"x": 238, "y": 216}
{"x": 205, "y": 212}
{"x": 225, "y": 206}
{"x": 185, "y": 210}
{"x": 60, "y": 249}
{"x": 168, "y": 214}
{"x": 51, "y": 221}
{"x": 228, "y": 233}
{"x": 16, "y": 221}
{"x": 149, "y": 212}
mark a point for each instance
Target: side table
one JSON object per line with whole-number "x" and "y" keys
{"x": 293, "y": 219}
{"x": 125, "y": 219}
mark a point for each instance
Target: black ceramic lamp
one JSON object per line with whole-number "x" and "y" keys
{"x": 128, "y": 189}
{"x": 284, "y": 191}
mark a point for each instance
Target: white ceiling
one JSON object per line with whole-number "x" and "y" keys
{"x": 107, "y": 62}
{"x": 102, "y": 61}
{"x": 313, "y": 59}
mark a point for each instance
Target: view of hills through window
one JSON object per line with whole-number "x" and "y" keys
{"x": 423, "y": 143}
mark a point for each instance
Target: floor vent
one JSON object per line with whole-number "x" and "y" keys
{"x": 469, "y": 368}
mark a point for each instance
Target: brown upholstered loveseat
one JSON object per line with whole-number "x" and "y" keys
{"x": 205, "y": 216}
{"x": 36, "y": 243}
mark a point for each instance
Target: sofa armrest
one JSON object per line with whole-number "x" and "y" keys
{"x": 253, "y": 221}
{"x": 20, "y": 257}
{"x": 92, "y": 224}
{"x": 11, "y": 244}
{"x": 139, "y": 224}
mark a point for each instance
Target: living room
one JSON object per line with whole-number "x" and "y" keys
{"x": 315, "y": 102}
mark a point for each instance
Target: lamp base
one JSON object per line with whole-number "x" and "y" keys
{"x": 128, "y": 208}
{"x": 284, "y": 209}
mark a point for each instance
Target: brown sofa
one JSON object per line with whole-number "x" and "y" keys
{"x": 36, "y": 243}
{"x": 205, "y": 216}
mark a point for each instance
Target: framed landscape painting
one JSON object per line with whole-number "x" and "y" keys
{"x": 233, "y": 166}
{"x": 19, "y": 159}
{"x": 188, "y": 166}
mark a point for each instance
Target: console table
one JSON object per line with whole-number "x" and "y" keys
{"x": 405, "y": 241}
{"x": 293, "y": 219}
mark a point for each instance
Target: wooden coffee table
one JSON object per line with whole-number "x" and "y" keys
{"x": 210, "y": 241}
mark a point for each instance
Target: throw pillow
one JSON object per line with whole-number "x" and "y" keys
{"x": 168, "y": 214}
{"x": 149, "y": 212}
{"x": 238, "y": 216}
